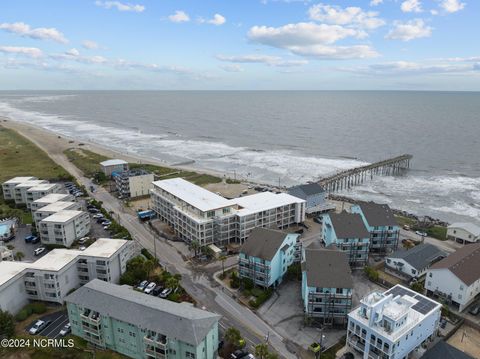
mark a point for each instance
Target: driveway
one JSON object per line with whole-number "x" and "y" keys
{"x": 58, "y": 321}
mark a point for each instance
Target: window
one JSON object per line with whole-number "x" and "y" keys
{"x": 189, "y": 355}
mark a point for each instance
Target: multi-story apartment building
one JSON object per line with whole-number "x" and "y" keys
{"x": 382, "y": 225}
{"x": 49, "y": 199}
{"x": 110, "y": 166}
{"x": 456, "y": 278}
{"x": 266, "y": 255}
{"x": 8, "y": 187}
{"x": 348, "y": 233}
{"x": 327, "y": 285}
{"x": 391, "y": 325}
{"x": 141, "y": 326}
{"x": 133, "y": 183}
{"x": 40, "y": 191}
{"x": 55, "y": 207}
{"x": 51, "y": 277}
{"x": 20, "y": 190}
{"x": 200, "y": 215}
{"x": 64, "y": 227}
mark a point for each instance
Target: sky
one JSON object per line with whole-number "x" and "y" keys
{"x": 240, "y": 45}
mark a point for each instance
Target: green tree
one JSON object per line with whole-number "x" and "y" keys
{"x": 223, "y": 259}
{"x": 7, "y": 324}
{"x": 19, "y": 256}
{"x": 149, "y": 266}
{"x": 261, "y": 351}
{"x": 417, "y": 287}
{"x": 234, "y": 338}
{"x": 172, "y": 283}
{"x": 195, "y": 246}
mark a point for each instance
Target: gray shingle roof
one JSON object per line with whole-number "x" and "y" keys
{"x": 464, "y": 263}
{"x": 443, "y": 350}
{"x": 179, "y": 321}
{"x": 421, "y": 256}
{"x": 378, "y": 215}
{"x": 349, "y": 225}
{"x": 327, "y": 268}
{"x": 263, "y": 243}
{"x": 304, "y": 190}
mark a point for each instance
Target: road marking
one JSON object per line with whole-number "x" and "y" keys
{"x": 49, "y": 329}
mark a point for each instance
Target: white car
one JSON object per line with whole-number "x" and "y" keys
{"x": 98, "y": 216}
{"x": 66, "y": 330}
{"x": 38, "y": 327}
{"x": 421, "y": 234}
{"x": 149, "y": 288}
{"x": 82, "y": 248}
{"x": 39, "y": 251}
{"x": 83, "y": 240}
{"x": 142, "y": 285}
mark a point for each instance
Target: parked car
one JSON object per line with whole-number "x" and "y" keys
{"x": 38, "y": 326}
{"x": 148, "y": 289}
{"x": 237, "y": 354}
{"x": 67, "y": 329}
{"x": 82, "y": 248}
{"x": 157, "y": 290}
{"x": 106, "y": 222}
{"x": 79, "y": 194}
{"x": 31, "y": 239}
{"x": 39, "y": 251}
{"x": 97, "y": 216}
{"x": 165, "y": 293}
{"x": 142, "y": 285}
{"x": 93, "y": 210}
{"x": 406, "y": 227}
{"x": 475, "y": 309}
{"x": 83, "y": 240}
{"x": 421, "y": 234}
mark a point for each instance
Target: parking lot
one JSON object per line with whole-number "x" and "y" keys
{"x": 26, "y": 248}
{"x": 58, "y": 321}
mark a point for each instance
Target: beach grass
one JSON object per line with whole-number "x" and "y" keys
{"x": 89, "y": 163}
{"x": 20, "y": 157}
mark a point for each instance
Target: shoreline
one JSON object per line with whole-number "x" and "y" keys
{"x": 54, "y": 144}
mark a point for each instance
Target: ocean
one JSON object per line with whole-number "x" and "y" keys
{"x": 286, "y": 137}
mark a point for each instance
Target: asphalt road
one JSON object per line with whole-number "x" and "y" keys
{"x": 58, "y": 321}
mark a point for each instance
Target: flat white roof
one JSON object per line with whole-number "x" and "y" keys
{"x": 52, "y": 198}
{"x": 62, "y": 216}
{"x": 55, "y": 259}
{"x": 9, "y": 269}
{"x": 43, "y": 187}
{"x": 113, "y": 162}
{"x": 192, "y": 194}
{"x": 264, "y": 201}
{"x": 104, "y": 247}
{"x": 19, "y": 180}
{"x": 29, "y": 184}
{"x": 57, "y": 206}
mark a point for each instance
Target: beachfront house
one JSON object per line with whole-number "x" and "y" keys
{"x": 464, "y": 233}
{"x": 456, "y": 278}
{"x": 392, "y": 324}
{"x": 8, "y": 187}
{"x": 382, "y": 225}
{"x": 348, "y": 233}
{"x": 133, "y": 183}
{"x": 64, "y": 227}
{"x": 314, "y": 195}
{"x": 151, "y": 327}
{"x": 327, "y": 285}
{"x": 266, "y": 255}
{"x": 110, "y": 166}
{"x": 413, "y": 263}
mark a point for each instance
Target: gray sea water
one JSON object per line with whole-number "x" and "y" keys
{"x": 291, "y": 137}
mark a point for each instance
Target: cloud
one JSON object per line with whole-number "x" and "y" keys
{"x": 452, "y": 5}
{"x": 262, "y": 59}
{"x": 32, "y": 52}
{"x": 409, "y": 30}
{"x": 411, "y": 6}
{"x": 39, "y": 33}
{"x": 312, "y": 40}
{"x": 179, "y": 16}
{"x": 353, "y": 16}
{"x": 411, "y": 68}
{"x": 74, "y": 55}
{"x": 90, "y": 45}
{"x": 376, "y": 2}
{"x": 216, "y": 20}
{"x": 231, "y": 68}
{"x": 120, "y": 6}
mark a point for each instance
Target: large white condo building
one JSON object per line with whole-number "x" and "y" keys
{"x": 392, "y": 324}
{"x": 197, "y": 214}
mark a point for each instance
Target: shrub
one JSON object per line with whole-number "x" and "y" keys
{"x": 22, "y": 315}
{"x": 7, "y": 326}
{"x": 248, "y": 283}
{"x": 371, "y": 273}
{"x": 38, "y": 308}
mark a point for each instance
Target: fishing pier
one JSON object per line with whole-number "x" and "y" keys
{"x": 355, "y": 176}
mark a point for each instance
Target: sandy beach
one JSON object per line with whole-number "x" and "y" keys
{"x": 54, "y": 145}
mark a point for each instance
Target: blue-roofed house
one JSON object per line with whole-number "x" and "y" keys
{"x": 266, "y": 255}
{"x": 382, "y": 225}
{"x": 348, "y": 233}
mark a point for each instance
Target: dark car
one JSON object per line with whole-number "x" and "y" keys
{"x": 31, "y": 239}
{"x": 475, "y": 309}
{"x": 237, "y": 354}
{"x": 157, "y": 290}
